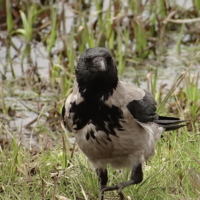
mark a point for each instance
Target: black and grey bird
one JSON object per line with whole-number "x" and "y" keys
{"x": 113, "y": 122}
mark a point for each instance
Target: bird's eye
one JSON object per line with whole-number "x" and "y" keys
{"x": 82, "y": 60}
{"x": 87, "y": 60}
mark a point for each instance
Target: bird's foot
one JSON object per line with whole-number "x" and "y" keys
{"x": 119, "y": 187}
{"x": 115, "y": 187}
{"x": 102, "y": 194}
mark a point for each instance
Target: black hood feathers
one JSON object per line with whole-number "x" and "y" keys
{"x": 96, "y": 73}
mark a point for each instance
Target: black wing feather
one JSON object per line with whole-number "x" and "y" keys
{"x": 170, "y": 123}
{"x": 143, "y": 110}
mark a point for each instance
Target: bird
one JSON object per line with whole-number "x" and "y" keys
{"x": 113, "y": 121}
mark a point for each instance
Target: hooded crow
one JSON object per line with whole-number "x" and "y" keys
{"x": 113, "y": 122}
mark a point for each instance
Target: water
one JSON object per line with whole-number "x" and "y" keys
{"x": 169, "y": 66}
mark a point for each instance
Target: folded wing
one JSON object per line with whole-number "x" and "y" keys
{"x": 144, "y": 110}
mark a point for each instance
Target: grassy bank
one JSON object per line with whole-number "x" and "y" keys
{"x": 40, "y": 45}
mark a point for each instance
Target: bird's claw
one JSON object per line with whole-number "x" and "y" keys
{"x": 118, "y": 187}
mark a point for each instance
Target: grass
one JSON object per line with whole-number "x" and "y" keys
{"x": 52, "y": 173}
{"x": 40, "y": 48}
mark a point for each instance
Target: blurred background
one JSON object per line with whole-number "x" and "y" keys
{"x": 155, "y": 44}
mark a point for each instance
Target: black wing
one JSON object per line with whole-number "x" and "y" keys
{"x": 143, "y": 110}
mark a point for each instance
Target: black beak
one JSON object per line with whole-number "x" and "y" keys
{"x": 100, "y": 63}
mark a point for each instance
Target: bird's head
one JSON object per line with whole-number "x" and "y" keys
{"x": 96, "y": 71}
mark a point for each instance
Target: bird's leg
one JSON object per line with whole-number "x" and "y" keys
{"x": 103, "y": 179}
{"x": 136, "y": 177}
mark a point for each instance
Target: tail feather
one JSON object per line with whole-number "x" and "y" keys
{"x": 170, "y": 123}
{"x": 172, "y": 127}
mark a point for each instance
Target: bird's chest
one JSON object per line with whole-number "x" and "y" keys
{"x": 103, "y": 117}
